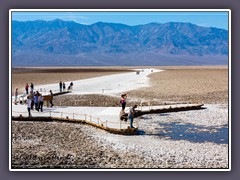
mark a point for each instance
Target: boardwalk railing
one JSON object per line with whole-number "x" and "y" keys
{"x": 119, "y": 126}
{"x": 108, "y": 124}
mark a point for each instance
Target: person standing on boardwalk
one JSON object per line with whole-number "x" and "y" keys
{"x": 60, "y": 86}
{"x": 29, "y": 101}
{"x": 64, "y": 86}
{"x": 31, "y": 97}
{"x": 40, "y": 102}
{"x": 16, "y": 96}
{"x": 131, "y": 115}
{"x": 26, "y": 88}
{"x": 31, "y": 87}
{"x": 35, "y": 99}
{"x": 51, "y": 100}
{"x": 123, "y": 101}
{"x": 71, "y": 85}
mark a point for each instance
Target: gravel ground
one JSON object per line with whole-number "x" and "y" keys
{"x": 95, "y": 100}
{"x": 35, "y": 145}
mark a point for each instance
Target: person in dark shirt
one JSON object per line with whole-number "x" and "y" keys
{"x": 123, "y": 101}
{"x": 51, "y": 101}
{"x": 64, "y": 86}
{"x": 31, "y": 87}
{"x": 60, "y": 86}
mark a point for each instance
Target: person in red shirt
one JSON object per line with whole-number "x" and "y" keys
{"x": 123, "y": 101}
{"x": 26, "y": 88}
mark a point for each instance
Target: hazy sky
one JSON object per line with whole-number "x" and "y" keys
{"x": 206, "y": 19}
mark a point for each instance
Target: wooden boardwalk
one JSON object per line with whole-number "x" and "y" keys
{"x": 106, "y": 118}
{"x": 169, "y": 108}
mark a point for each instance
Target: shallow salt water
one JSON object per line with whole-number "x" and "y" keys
{"x": 189, "y": 132}
{"x": 193, "y": 133}
{"x": 207, "y": 125}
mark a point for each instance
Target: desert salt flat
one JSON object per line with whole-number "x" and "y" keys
{"x": 160, "y": 151}
{"x": 173, "y": 153}
{"x": 110, "y": 85}
{"x": 215, "y": 115}
{"x": 167, "y": 153}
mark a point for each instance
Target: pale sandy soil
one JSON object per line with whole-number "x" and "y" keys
{"x": 188, "y": 85}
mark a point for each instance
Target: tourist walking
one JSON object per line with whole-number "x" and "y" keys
{"x": 31, "y": 97}
{"x": 60, "y": 86}
{"x": 31, "y": 87}
{"x": 51, "y": 100}
{"x": 71, "y": 85}
{"x": 16, "y": 96}
{"x": 26, "y": 88}
{"x": 40, "y": 102}
{"x": 123, "y": 101}
{"x": 35, "y": 99}
{"x": 29, "y": 106}
{"x": 64, "y": 86}
{"x": 132, "y": 114}
{"x": 69, "y": 88}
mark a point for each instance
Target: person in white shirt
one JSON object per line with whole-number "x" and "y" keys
{"x": 16, "y": 96}
{"x": 29, "y": 102}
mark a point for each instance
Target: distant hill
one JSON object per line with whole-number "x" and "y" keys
{"x": 66, "y": 43}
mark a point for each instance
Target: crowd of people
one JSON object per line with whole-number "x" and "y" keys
{"x": 34, "y": 102}
{"x": 35, "y": 99}
{"x": 62, "y": 86}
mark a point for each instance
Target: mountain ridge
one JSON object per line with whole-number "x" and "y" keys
{"x": 69, "y": 43}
